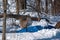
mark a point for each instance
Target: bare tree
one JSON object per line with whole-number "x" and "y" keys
{"x": 17, "y": 6}
{"x": 4, "y": 22}
{"x": 38, "y": 8}
{"x": 22, "y": 4}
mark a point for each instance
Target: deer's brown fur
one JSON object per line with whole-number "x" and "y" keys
{"x": 57, "y": 25}
{"x": 24, "y": 21}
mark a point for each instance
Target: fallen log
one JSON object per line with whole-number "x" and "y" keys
{"x": 19, "y": 16}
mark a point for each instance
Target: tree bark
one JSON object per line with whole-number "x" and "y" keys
{"x": 22, "y": 4}
{"x": 46, "y": 7}
{"x": 17, "y": 6}
{"x": 4, "y": 21}
{"x": 38, "y": 8}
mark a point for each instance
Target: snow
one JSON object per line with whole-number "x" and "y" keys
{"x": 10, "y": 2}
{"x": 30, "y": 13}
{"x": 1, "y": 7}
{"x": 45, "y": 33}
{"x": 0, "y": 28}
{"x": 41, "y": 34}
{"x": 1, "y": 23}
{"x": 17, "y": 22}
{"x": 55, "y": 18}
{"x": 42, "y": 23}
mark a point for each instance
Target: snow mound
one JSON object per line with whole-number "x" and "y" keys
{"x": 42, "y": 23}
{"x": 45, "y": 33}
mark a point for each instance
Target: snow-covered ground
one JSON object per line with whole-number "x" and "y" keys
{"x": 41, "y": 34}
{"x": 44, "y": 34}
{"x": 51, "y": 34}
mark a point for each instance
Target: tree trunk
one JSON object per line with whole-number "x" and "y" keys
{"x": 4, "y": 21}
{"x": 17, "y": 6}
{"x": 38, "y": 8}
{"x": 22, "y": 4}
{"x": 46, "y": 7}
